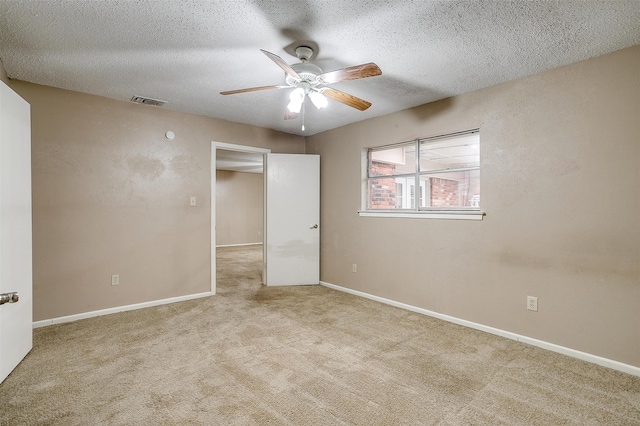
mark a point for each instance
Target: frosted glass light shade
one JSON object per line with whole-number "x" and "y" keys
{"x": 318, "y": 99}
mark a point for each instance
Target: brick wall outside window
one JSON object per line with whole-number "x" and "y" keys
{"x": 383, "y": 190}
{"x": 444, "y": 192}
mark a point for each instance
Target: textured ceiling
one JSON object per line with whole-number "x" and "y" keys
{"x": 186, "y": 52}
{"x": 236, "y": 161}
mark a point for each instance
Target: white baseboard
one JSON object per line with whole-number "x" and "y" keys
{"x": 239, "y": 245}
{"x": 605, "y": 362}
{"x": 76, "y": 317}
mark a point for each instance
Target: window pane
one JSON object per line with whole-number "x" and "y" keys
{"x": 447, "y": 171}
{"x": 460, "y": 189}
{"x": 399, "y": 193}
{"x": 397, "y": 160}
{"x": 389, "y": 193}
{"x": 456, "y": 152}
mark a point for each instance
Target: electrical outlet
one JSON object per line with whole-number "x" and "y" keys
{"x": 115, "y": 279}
{"x": 532, "y": 303}
{"x": 354, "y": 268}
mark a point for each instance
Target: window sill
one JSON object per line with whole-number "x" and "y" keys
{"x": 459, "y": 215}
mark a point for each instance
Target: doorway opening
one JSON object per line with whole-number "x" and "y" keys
{"x": 237, "y": 200}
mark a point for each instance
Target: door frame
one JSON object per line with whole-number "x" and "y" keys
{"x": 240, "y": 148}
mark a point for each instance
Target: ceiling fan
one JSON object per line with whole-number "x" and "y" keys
{"x": 308, "y": 80}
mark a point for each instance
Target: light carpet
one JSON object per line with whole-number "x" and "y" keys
{"x": 256, "y": 355}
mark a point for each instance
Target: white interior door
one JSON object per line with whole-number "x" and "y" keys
{"x": 292, "y": 208}
{"x": 15, "y": 230}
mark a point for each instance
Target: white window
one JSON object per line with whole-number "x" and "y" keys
{"x": 446, "y": 169}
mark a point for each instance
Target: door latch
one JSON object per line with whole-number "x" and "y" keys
{"x": 314, "y": 226}
{"x": 9, "y": 298}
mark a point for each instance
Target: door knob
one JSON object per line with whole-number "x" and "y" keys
{"x": 314, "y": 226}
{"x": 9, "y": 298}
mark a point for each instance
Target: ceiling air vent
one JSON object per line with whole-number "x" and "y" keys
{"x": 147, "y": 101}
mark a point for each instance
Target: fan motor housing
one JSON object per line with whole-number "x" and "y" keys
{"x": 307, "y": 72}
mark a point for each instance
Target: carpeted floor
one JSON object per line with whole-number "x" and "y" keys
{"x": 255, "y": 355}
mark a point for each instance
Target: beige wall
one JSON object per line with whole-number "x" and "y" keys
{"x": 111, "y": 196}
{"x": 560, "y": 158}
{"x": 239, "y": 208}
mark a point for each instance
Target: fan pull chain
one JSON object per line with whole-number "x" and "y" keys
{"x": 303, "y": 115}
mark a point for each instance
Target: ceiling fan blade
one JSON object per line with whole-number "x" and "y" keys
{"x": 282, "y": 64}
{"x": 252, "y": 89}
{"x": 351, "y": 73}
{"x": 345, "y": 98}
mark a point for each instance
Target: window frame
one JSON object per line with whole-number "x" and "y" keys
{"x": 422, "y": 212}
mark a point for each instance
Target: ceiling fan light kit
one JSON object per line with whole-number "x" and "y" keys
{"x": 318, "y": 99}
{"x": 308, "y": 80}
{"x": 296, "y": 98}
